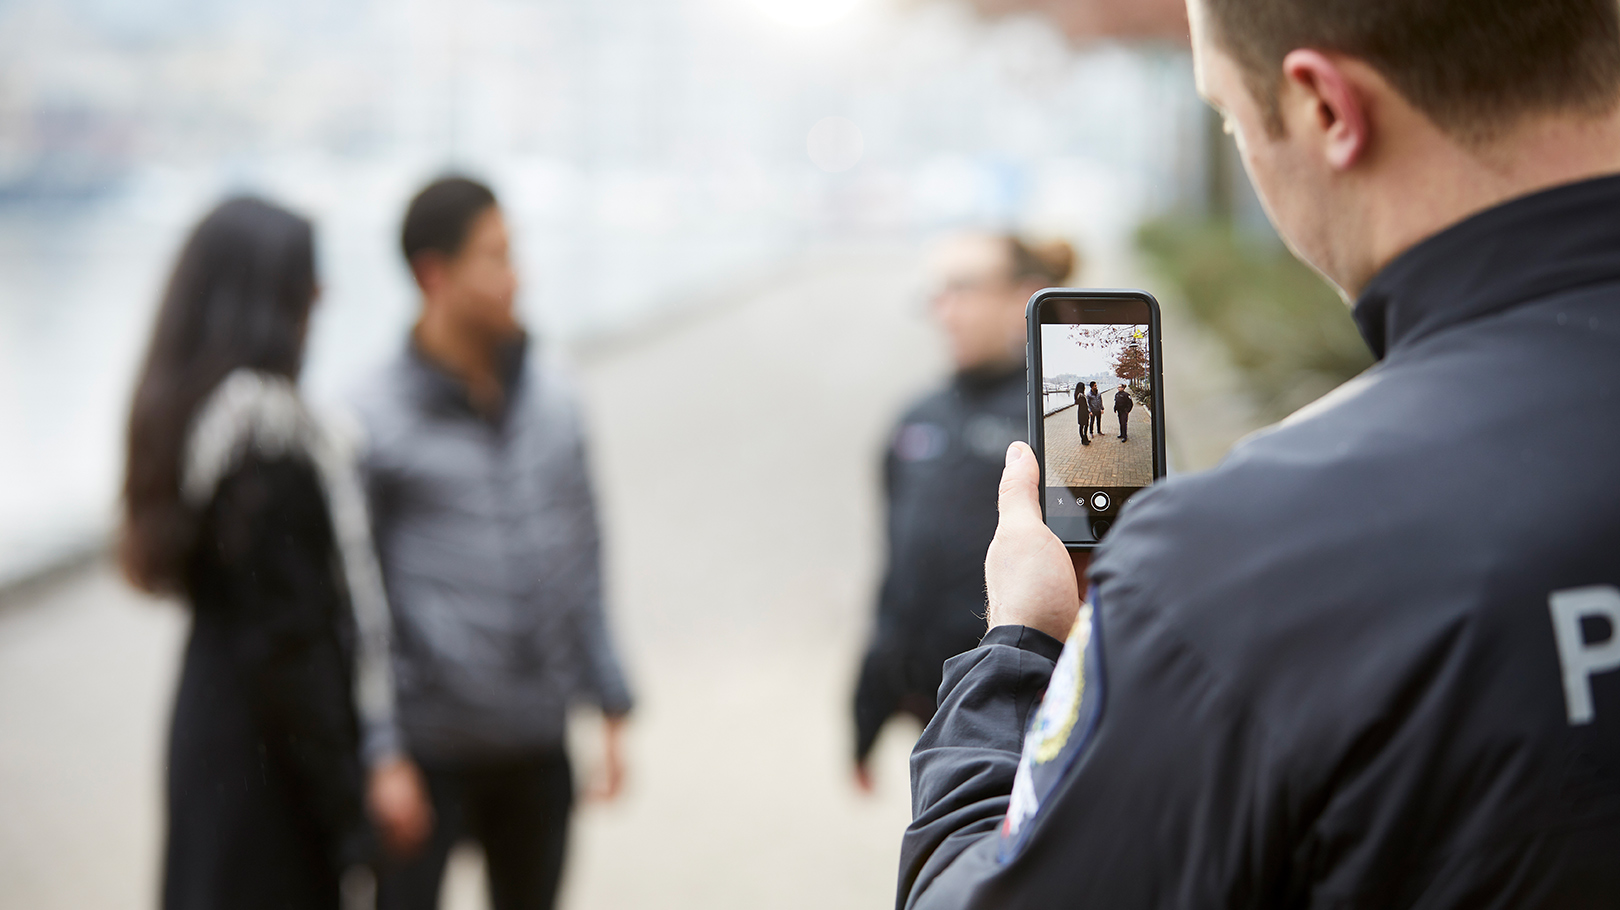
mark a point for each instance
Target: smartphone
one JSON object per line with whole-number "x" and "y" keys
{"x": 1091, "y": 349}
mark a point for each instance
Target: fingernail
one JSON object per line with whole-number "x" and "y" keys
{"x": 1014, "y": 452}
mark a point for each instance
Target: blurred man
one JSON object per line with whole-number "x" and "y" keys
{"x": 487, "y": 533}
{"x": 1373, "y": 659}
{"x": 940, "y": 478}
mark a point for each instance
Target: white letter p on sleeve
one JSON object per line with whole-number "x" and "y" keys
{"x": 1579, "y": 659}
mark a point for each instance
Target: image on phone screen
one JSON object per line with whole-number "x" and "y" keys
{"x": 1100, "y": 442}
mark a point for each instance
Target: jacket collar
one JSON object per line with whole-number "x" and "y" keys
{"x": 1517, "y": 252}
{"x": 438, "y": 390}
{"x": 984, "y": 380}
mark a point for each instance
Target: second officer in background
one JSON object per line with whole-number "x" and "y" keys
{"x": 940, "y": 477}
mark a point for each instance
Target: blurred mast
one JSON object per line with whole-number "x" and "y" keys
{"x": 454, "y": 11}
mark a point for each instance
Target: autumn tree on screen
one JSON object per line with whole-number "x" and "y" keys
{"x": 1127, "y": 346}
{"x": 1132, "y": 364}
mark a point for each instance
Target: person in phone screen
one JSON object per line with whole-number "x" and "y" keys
{"x": 1082, "y": 412}
{"x": 1122, "y": 410}
{"x": 1094, "y": 403}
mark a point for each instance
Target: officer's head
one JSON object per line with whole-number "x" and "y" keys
{"x": 1367, "y": 125}
{"x": 984, "y": 281}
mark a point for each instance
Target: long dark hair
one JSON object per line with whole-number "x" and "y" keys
{"x": 239, "y": 297}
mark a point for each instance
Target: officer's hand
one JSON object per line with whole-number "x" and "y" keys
{"x": 1031, "y": 578}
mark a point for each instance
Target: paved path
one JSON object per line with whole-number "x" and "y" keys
{"x": 87, "y": 670}
{"x": 1107, "y": 462}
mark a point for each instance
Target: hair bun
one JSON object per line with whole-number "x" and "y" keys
{"x": 1051, "y": 262}
{"x": 1057, "y": 258}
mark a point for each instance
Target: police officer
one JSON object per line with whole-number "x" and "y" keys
{"x": 1122, "y": 411}
{"x": 940, "y": 476}
{"x": 1373, "y": 658}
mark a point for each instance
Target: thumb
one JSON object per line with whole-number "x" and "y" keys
{"x": 1019, "y": 496}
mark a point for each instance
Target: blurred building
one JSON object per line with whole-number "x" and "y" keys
{"x": 1095, "y": 20}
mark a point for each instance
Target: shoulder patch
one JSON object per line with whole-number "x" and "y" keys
{"x": 1060, "y": 729}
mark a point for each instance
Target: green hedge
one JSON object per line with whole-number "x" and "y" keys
{"x": 1288, "y": 332}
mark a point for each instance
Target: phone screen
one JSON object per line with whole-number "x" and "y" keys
{"x": 1095, "y": 357}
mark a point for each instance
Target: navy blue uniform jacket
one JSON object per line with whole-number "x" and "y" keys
{"x": 1371, "y": 660}
{"x": 939, "y": 483}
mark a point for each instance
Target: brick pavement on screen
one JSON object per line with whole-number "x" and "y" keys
{"x": 1107, "y": 462}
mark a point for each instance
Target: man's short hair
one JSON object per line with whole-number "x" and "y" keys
{"x": 441, "y": 215}
{"x": 1473, "y": 67}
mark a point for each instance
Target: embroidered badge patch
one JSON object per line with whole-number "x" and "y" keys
{"x": 1059, "y": 730}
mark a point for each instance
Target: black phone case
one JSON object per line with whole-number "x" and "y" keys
{"x": 1034, "y": 382}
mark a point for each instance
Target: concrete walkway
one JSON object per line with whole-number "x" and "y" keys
{"x": 743, "y": 571}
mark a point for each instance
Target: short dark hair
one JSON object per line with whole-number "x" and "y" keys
{"x": 1473, "y": 67}
{"x": 441, "y": 215}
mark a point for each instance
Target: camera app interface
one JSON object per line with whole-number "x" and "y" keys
{"x": 1098, "y": 400}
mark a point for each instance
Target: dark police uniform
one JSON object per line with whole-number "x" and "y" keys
{"x": 1122, "y": 409}
{"x": 1372, "y": 660}
{"x": 940, "y": 479}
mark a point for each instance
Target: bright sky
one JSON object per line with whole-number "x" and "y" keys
{"x": 1060, "y": 355}
{"x": 807, "y": 13}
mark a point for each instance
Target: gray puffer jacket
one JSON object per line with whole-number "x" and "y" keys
{"x": 487, "y": 534}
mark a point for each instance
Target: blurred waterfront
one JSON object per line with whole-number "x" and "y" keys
{"x": 720, "y": 208}
{"x": 649, "y": 154}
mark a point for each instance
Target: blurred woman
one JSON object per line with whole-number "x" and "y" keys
{"x": 236, "y": 501}
{"x": 940, "y": 477}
